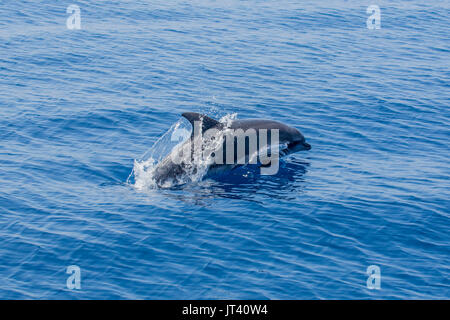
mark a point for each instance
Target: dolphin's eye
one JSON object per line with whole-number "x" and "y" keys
{"x": 293, "y": 144}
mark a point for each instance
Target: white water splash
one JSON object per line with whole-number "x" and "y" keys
{"x": 142, "y": 176}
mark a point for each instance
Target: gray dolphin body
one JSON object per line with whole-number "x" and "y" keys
{"x": 169, "y": 172}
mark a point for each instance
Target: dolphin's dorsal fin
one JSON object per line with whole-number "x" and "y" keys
{"x": 207, "y": 122}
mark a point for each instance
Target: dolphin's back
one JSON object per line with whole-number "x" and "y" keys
{"x": 257, "y": 124}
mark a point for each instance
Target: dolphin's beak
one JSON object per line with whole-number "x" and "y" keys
{"x": 307, "y": 146}
{"x": 298, "y": 146}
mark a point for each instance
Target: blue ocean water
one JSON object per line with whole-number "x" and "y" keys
{"x": 78, "y": 107}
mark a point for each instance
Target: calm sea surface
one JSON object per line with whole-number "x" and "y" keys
{"x": 78, "y": 107}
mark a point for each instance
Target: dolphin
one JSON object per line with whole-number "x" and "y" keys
{"x": 227, "y": 146}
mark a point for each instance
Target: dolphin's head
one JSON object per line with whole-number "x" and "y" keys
{"x": 294, "y": 139}
{"x": 290, "y": 137}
